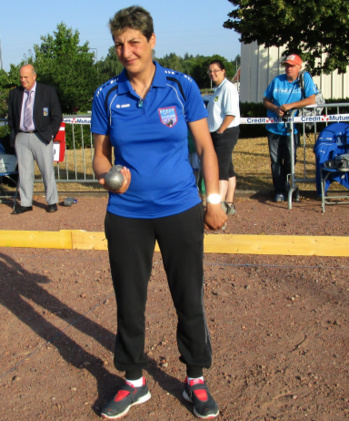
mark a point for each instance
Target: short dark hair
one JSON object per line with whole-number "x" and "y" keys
{"x": 134, "y": 17}
{"x": 219, "y": 63}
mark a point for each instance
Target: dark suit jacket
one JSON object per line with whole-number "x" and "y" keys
{"x": 47, "y": 111}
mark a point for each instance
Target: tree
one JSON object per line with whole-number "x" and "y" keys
{"x": 200, "y": 68}
{"x": 3, "y": 92}
{"x": 237, "y": 62}
{"x": 188, "y": 64}
{"x": 7, "y": 82}
{"x": 172, "y": 61}
{"x": 60, "y": 61}
{"x": 109, "y": 67}
{"x": 308, "y": 28}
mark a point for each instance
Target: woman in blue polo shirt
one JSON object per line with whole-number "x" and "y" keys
{"x": 143, "y": 113}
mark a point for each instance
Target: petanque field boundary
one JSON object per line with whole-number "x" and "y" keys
{"x": 291, "y": 245}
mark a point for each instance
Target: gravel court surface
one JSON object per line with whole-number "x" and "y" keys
{"x": 279, "y": 324}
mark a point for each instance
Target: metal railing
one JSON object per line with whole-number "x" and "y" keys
{"x": 319, "y": 122}
{"x": 77, "y": 164}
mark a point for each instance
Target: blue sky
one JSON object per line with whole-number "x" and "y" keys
{"x": 181, "y": 26}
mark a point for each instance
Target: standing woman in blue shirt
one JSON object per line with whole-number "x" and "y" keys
{"x": 282, "y": 95}
{"x": 224, "y": 120}
{"x": 143, "y": 113}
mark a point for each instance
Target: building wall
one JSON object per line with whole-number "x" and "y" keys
{"x": 259, "y": 65}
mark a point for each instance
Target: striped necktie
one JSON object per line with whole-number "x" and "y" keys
{"x": 28, "y": 112}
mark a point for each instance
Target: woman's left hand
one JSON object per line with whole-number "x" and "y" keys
{"x": 215, "y": 217}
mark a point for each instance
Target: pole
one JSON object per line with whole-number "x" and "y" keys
{"x": 291, "y": 177}
{"x": 1, "y": 63}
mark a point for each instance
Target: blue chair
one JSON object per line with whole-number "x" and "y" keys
{"x": 332, "y": 142}
{"x": 8, "y": 169}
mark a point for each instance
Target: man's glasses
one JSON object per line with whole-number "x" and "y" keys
{"x": 213, "y": 71}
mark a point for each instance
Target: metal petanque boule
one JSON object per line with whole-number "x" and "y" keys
{"x": 114, "y": 178}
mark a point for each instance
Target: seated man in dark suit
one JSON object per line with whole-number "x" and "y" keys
{"x": 34, "y": 117}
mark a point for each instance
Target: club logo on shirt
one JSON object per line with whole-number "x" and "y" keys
{"x": 168, "y": 116}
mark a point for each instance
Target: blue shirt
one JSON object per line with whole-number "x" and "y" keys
{"x": 281, "y": 91}
{"x": 152, "y": 141}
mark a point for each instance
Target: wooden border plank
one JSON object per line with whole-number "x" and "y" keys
{"x": 291, "y": 245}
{"x": 37, "y": 239}
{"x": 83, "y": 240}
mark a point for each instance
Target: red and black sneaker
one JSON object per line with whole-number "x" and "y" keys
{"x": 204, "y": 406}
{"x": 126, "y": 397}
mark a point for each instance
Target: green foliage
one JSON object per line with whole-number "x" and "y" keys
{"x": 61, "y": 62}
{"x": 172, "y": 61}
{"x": 109, "y": 67}
{"x": 343, "y": 109}
{"x": 308, "y": 28}
{"x": 197, "y": 66}
{"x": 7, "y": 82}
{"x": 3, "y": 92}
{"x": 252, "y": 109}
{"x": 77, "y": 136}
{"x": 3, "y": 131}
{"x": 200, "y": 68}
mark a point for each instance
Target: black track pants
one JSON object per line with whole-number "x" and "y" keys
{"x": 131, "y": 245}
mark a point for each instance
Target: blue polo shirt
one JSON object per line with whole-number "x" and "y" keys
{"x": 152, "y": 141}
{"x": 281, "y": 91}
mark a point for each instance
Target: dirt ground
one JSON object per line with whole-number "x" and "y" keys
{"x": 279, "y": 324}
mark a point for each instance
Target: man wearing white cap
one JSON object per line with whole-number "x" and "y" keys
{"x": 282, "y": 95}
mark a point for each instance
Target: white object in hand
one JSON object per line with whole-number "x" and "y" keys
{"x": 114, "y": 178}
